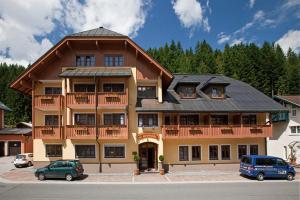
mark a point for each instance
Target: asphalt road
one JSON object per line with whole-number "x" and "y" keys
{"x": 211, "y": 191}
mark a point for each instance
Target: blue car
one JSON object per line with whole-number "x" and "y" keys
{"x": 262, "y": 167}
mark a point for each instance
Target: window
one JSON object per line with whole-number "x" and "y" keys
{"x": 116, "y": 151}
{"x": 281, "y": 162}
{"x": 253, "y": 149}
{"x": 88, "y": 60}
{"x": 52, "y": 90}
{"x": 84, "y": 119}
{"x": 113, "y": 87}
{"x": 225, "y": 152}
{"x": 84, "y": 87}
{"x": 171, "y": 120}
{"x": 183, "y": 153}
{"x": 216, "y": 93}
{"x": 246, "y": 160}
{"x": 51, "y": 120}
{"x": 219, "y": 119}
{"x": 85, "y": 151}
{"x": 147, "y": 120}
{"x": 249, "y": 119}
{"x": 196, "y": 153}
{"x": 146, "y": 92}
{"x": 213, "y": 152}
{"x": 114, "y": 119}
{"x": 294, "y": 111}
{"x": 53, "y": 150}
{"x": 187, "y": 91}
{"x": 242, "y": 150}
{"x": 295, "y": 129}
{"x": 266, "y": 161}
{"x": 113, "y": 60}
{"x": 189, "y": 119}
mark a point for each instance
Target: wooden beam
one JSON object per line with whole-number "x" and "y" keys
{"x": 136, "y": 53}
{"x": 125, "y": 43}
{"x": 97, "y": 45}
{"x": 25, "y": 84}
{"x": 32, "y": 76}
{"x": 69, "y": 45}
{"x": 58, "y": 54}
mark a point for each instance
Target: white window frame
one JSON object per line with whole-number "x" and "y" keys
{"x": 178, "y": 154}
{"x": 229, "y": 152}
{"x": 191, "y": 149}
{"x": 237, "y": 150}
{"x": 218, "y": 145}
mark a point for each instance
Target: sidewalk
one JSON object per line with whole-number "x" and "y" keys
{"x": 26, "y": 175}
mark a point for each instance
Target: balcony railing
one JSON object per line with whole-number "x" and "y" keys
{"x": 81, "y": 99}
{"x": 113, "y": 132}
{"x": 49, "y": 102}
{"x": 80, "y": 132}
{"x": 112, "y": 99}
{"x": 89, "y": 99}
{"x": 89, "y": 132}
{"x": 215, "y": 131}
{"x": 48, "y": 132}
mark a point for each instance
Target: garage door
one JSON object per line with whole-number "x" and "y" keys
{"x": 1, "y": 148}
{"x": 14, "y": 148}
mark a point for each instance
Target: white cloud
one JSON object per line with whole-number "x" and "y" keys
{"x": 222, "y": 38}
{"x": 122, "y": 16}
{"x": 290, "y": 40}
{"x": 251, "y": 3}
{"x": 237, "y": 41}
{"x": 191, "y": 14}
{"x": 26, "y": 25}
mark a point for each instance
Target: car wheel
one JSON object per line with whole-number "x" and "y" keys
{"x": 42, "y": 177}
{"x": 69, "y": 177}
{"x": 290, "y": 176}
{"x": 260, "y": 177}
{"x": 29, "y": 164}
{"x": 16, "y": 166}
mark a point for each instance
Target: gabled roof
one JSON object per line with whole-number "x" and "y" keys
{"x": 98, "y": 32}
{"x": 4, "y": 107}
{"x": 241, "y": 97}
{"x": 23, "y": 82}
{"x": 292, "y": 99}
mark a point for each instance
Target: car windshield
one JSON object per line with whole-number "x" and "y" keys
{"x": 246, "y": 160}
{"x": 20, "y": 156}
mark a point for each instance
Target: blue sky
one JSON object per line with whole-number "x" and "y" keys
{"x": 29, "y": 28}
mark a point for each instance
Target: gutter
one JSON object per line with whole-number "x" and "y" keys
{"x": 96, "y": 123}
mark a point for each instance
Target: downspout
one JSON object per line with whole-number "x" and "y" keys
{"x": 96, "y": 123}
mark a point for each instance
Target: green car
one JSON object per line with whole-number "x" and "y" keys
{"x": 67, "y": 169}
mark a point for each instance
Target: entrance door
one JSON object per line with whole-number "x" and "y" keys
{"x": 14, "y": 148}
{"x": 148, "y": 156}
{"x": 1, "y": 149}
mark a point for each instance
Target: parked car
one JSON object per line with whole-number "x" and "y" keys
{"x": 262, "y": 167}
{"x": 66, "y": 169}
{"x": 25, "y": 159}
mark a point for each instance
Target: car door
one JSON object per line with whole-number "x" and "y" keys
{"x": 52, "y": 170}
{"x": 269, "y": 167}
{"x": 281, "y": 168}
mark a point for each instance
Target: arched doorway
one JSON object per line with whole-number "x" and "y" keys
{"x": 148, "y": 156}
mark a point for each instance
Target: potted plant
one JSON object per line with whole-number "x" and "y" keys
{"x": 136, "y": 159}
{"x": 161, "y": 159}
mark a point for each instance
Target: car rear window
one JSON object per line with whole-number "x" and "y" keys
{"x": 246, "y": 160}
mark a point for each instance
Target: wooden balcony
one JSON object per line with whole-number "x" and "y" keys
{"x": 112, "y": 99}
{"x": 80, "y": 132}
{"x": 81, "y": 99}
{"x": 48, "y": 132}
{"x": 113, "y": 132}
{"x": 214, "y": 131}
{"x": 48, "y": 102}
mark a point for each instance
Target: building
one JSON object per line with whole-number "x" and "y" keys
{"x": 14, "y": 140}
{"x": 286, "y": 129}
{"x": 97, "y": 96}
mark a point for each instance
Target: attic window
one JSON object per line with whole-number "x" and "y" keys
{"x": 187, "y": 91}
{"x": 217, "y": 92}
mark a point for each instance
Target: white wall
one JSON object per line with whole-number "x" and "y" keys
{"x": 282, "y": 136}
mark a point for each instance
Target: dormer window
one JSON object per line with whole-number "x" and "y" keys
{"x": 217, "y": 92}
{"x": 187, "y": 91}
{"x": 87, "y": 60}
